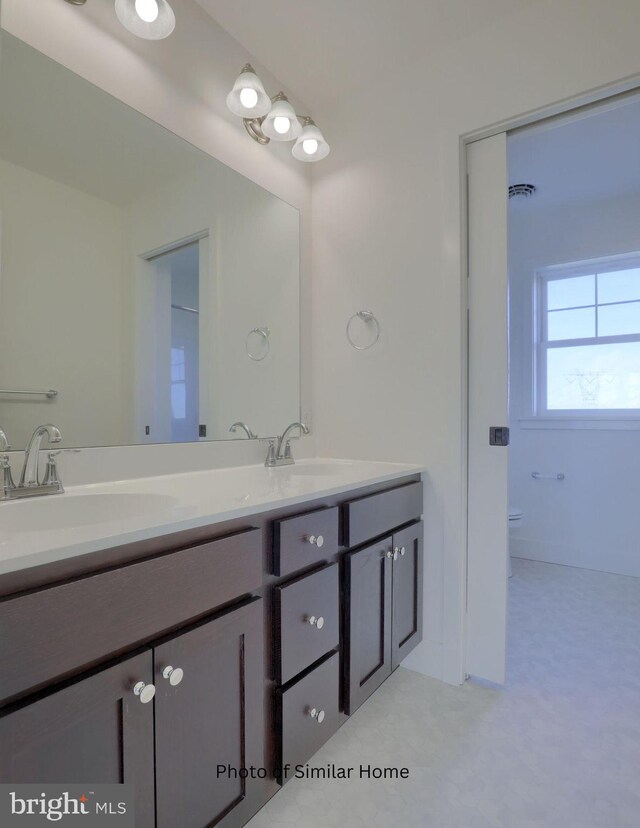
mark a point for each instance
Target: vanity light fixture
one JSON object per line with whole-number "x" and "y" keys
{"x": 311, "y": 145}
{"x": 267, "y": 119}
{"x": 149, "y": 19}
{"x": 281, "y": 124}
{"x": 248, "y": 98}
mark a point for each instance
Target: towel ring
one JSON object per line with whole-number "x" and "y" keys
{"x": 368, "y": 318}
{"x": 265, "y": 333}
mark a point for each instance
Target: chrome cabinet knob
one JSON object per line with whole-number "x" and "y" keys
{"x": 145, "y": 692}
{"x": 318, "y": 715}
{"x": 318, "y": 622}
{"x": 388, "y": 554}
{"x": 173, "y": 674}
{"x": 317, "y": 540}
{"x": 398, "y": 550}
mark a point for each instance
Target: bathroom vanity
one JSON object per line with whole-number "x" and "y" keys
{"x": 206, "y": 655}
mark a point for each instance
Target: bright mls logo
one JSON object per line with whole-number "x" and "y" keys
{"x": 34, "y": 805}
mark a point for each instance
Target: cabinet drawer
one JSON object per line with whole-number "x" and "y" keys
{"x": 304, "y": 540}
{"x": 299, "y": 642}
{"x": 56, "y": 631}
{"x": 374, "y": 515}
{"x": 302, "y": 734}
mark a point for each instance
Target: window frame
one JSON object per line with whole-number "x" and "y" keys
{"x": 542, "y": 345}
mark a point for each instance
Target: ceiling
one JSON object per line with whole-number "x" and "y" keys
{"x": 594, "y": 155}
{"x": 323, "y": 49}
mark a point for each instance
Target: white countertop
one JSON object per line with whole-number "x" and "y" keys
{"x": 90, "y": 518}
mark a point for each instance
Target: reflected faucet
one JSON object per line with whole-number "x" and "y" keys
{"x": 244, "y": 427}
{"x": 281, "y": 456}
{"x": 6, "y": 482}
{"x": 29, "y": 476}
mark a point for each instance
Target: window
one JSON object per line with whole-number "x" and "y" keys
{"x": 588, "y": 338}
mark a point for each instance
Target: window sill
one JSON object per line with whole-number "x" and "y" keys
{"x": 570, "y": 423}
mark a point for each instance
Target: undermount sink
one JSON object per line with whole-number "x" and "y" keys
{"x": 319, "y": 470}
{"x": 69, "y": 510}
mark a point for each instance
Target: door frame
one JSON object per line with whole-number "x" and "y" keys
{"x": 570, "y": 107}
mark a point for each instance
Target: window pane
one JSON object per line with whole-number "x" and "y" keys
{"x": 570, "y": 293}
{"x": 594, "y": 377}
{"x": 614, "y": 320}
{"x": 571, "y": 324}
{"x": 619, "y": 286}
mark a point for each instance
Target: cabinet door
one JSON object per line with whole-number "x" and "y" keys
{"x": 407, "y": 592}
{"x": 94, "y": 731}
{"x": 368, "y": 574}
{"x": 213, "y": 717}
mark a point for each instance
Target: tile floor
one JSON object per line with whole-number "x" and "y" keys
{"x": 558, "y": 747}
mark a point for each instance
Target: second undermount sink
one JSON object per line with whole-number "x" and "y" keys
{"x": 320, "y": 469}
{"x": 69, "y": 510}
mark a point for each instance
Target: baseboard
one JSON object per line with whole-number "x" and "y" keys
{"x": 610, "y": 560}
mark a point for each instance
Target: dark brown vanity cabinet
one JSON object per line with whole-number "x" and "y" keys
{"x": 383, "y": 592}
{"x": 208, "y": 711}
{"x": 96, "y": 730}
{"x": 303, "y": 540}
{"x": 307, "y": 715}
{"x": 248, "y": 645}
{"x": 406, "y": 602}
{"x": 212, "y": 719}
{"x": 307, "y": 616}
{"x": 368, "y": 584}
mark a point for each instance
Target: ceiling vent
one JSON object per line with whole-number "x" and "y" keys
{"x": 521, "y": 190}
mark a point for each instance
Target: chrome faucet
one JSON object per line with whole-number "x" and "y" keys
{"x": 244, "y": 427}
{"x": 30, "y": 476}
{"x": 5, "y": 467}
{"x": 282, "y": 456}
{"x": 30, "y": 485}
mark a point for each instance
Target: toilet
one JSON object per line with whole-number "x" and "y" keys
{"x": 515, "y": 519}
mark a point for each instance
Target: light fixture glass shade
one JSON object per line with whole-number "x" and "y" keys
{"x": 311, "y": 145}
{"x": 149, "y": 19}
{"x": 248, "y": 98}
{"x": 281, "y": 124}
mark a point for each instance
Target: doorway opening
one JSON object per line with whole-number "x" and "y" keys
{"x": 171, "y": 376}
{"x": 574, "y": 379}
{"x": 185, "y": 348}
{"x": 558, "y": 362}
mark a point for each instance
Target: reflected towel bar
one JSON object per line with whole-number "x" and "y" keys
{"x": 50, "y": 393}
{"x": 538, "y": 476}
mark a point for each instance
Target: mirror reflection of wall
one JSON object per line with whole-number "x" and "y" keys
{"x": 133, "y": 267}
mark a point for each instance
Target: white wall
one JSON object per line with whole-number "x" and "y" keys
{"x": 181, "y": 83}
{"x": 387, "y": 228}
{"x": 591, "y": 518}
{"x": 61, "y": 261}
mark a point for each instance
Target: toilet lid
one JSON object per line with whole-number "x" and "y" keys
{"x": 515, "y": 514}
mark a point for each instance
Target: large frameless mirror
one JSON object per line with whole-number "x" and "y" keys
{"x": 148, "y": 293}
